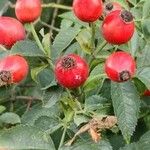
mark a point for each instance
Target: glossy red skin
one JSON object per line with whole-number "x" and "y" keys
{"x": 118, "y": 62}
{"x": 116, "y": 6}
{"x": 73, "y": 77}
{"x": 28, "y": 10}
{"x": 17, "y": 66}
{"x": 147, "y": 93}
{"x": 115, "y": 30}
{"x": 11, "y": 31}
{"x": 88, "y": 10}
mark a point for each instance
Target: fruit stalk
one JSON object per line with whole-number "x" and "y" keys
{"x": 54, "y": 5}
{"x": 63, "y": 138}
{"x": 36, "y": 37}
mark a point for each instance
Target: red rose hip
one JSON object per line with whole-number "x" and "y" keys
{"x": 146, "y": 93}
{"x": 87, "y": 10}
{"x": 71, "y": 71}
{"x": 120, "y": 66}
{"x": 28, "y": 10}
{"x": 118, "y": 27}
{"x": 111, "y": 6}
{"x": 11, "y": 31}
{"x": 13, "y": 69}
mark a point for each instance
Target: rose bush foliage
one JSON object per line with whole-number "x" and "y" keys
{"x": 99, "y": 114}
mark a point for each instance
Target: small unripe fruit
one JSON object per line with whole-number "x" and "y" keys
{"x": 28, "y": 10}
{"x": 71, "y": 71}
{"x": 11, "y": 31}
{"x": 13, "y": 69}
{"x": 120, "y": 66}
{"x": 118, "y": 27}
{"x": 88, "y": 10}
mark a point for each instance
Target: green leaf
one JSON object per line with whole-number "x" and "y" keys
{"x": 73, "y": 48}
{"x": 70, "y": 16}
{"x": 143, "y": 66}
{"x": 50, "y": 98}
{"x": 48, "y": 124}
{"x": 146, "y": 29}
{"x": 2, "y": 108}
{"x": 84, "y": 39}
{"x": 134, "y": 44}
{"x": 95, "y": 102}
{"x": 4, "y": 5}
{"x": 147, "y": 119}
{"x": 93, "y": 81}
{"x": 89, "y": 145}
{"x": 79, "y": 119}
{"x": 36, "y": 71}
{"x": 36, "y": 112}
{"x": 143, "y": 59}
{"x": 63, "y": 40}
{"x": 146, "y": 9}
{"x": 5, "y": 93}
{"x": 133, "y": 2}
{"x": 144, "y": 75}
{"x": 126, "y": 103}
{"x": 65, "y": 23}
{"x": 44, "y": 118}
{"x": 144, "y": 143}
{"x": 25, "y": 137}
{"x": 10, "y": 118}
{"x": 136, "y": 12}
{"x": 99, "y": 69}
{"x": 46, "y": 78}
{"x": 120, "y": 141}
{"x": 3, "y": 53}
{"x": 133, "y": 146}
{"x": 27, "y": 48}
{"x": 47, "y": 43}
{"x": 139, "y": 85}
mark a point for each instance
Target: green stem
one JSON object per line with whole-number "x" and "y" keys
{"x": 102, "y": 57}
{"x": 36, "y": 37}
{"x": 127, "y": 141}
{"x": 62, "y": 138}
{"x": 51, "y": 63}
{"x": 54, "y": 5}
{"x": 12, "y": 96}
{"x": 93, "y": 36}
{"x": 75, "y": 100}
{"x": 116, "y": 47}
{"x": 69, "y": 94}
{"x": 79, "y": 90}
{"x": 40, "y": 44}
{"x": 100, "y": 47}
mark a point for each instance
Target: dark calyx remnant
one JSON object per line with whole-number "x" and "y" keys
{"x": 68, "y": 62}
{"x": 124, "y": 76}
{"x": 109, "y": 6}
{"x": 126, "y": 16}
{"x": 5, "y": 77}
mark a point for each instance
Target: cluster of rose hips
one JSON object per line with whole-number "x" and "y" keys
{"x": 71, "y": 71}
{"x": 14, "y": 68}
{"x": 117, "y": 28}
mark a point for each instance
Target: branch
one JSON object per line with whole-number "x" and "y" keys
{"x": 28, "y": 98}
{"x": 51, "y": 5}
